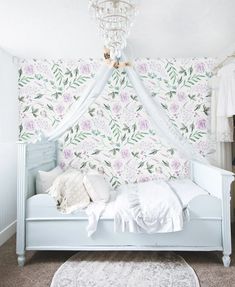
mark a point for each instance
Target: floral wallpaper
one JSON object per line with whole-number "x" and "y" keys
{"x": 115, "y": 136}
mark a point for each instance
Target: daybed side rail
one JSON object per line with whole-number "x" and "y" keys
{"x": 31, "y": 158}
{"x": 211, "y": 178}
{"x": 218, "y": 183}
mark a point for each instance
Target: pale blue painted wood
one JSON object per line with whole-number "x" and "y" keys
{"x": 31, "y": 158}
{"x": 46, "y": 226}
{"x": 42, "y": 227}
{"x": 203, "y": 234}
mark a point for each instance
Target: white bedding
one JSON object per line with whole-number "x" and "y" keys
{"x": 150, "y": 207}
{"x": 185, "y": 189}
{"x": 161, "y": 206}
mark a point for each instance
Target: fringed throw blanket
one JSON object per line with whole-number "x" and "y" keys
{"x": 150, "y": 207}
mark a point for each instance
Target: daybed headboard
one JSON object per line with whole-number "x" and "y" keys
{"x": 31, "y": 158}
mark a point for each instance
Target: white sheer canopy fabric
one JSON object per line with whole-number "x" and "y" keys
{"x": 92, "y": 91}
{"x": 160, "y": 120}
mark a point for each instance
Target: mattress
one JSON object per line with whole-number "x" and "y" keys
{"x": 43, "y": 205}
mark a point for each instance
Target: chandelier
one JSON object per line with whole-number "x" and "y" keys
{"x": 115, "y": 18}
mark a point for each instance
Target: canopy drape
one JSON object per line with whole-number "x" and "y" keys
{"x": 160, "y": 120}
{"x": 89, "y": 95}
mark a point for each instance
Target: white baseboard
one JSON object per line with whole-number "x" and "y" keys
{"x": 7, "y": 232}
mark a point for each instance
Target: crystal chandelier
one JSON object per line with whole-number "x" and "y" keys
{"x": 115, "y": 17}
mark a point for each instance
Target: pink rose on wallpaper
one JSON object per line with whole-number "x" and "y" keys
{"x": 142, "y": 68}
{"x": 117, "y": 108}
{"x": 29, "y": 69}
{"x": 143, "y": 124}
{"x": 62, "y": 165}
{"x": 30, "y": 125}
{"x": 59, "y": 109}
{"x": 67, "y": 97}
{"x": 124, "y": 96}
{"x": 125, "y": 153}
{"x": 174, "y": 108}
{"x": 85, "y": 69}
{"x": 175, "y": 164}
{"x": 117, "y": 164}
{"x": 200, "y": 68}
{"x": 86, "y": 125}
{"x": 144, "y": 179}
{"x": 68, "y": 153}
{"x": 181, "y": 96}
{"x": 201, "y": 124}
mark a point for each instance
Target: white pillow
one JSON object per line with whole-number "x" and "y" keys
{"x": 45, "y": 179}
{"x": 97, "y": 188}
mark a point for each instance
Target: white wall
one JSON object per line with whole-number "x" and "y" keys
{"x": 8, "y": 138}
{"x": 163, "y": 28}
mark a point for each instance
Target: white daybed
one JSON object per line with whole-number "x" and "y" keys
{"x": 41, "y": 227}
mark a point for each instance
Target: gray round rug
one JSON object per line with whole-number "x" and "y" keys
{"x": 125, "y": 269}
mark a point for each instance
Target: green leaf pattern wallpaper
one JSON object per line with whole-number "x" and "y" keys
{"x": 115, "y": 137}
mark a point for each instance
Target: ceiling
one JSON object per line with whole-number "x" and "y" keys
{"x": 163, "y": 28}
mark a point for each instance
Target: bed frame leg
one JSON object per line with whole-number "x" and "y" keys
{"x": 21, "y": 260}
{"x": 21, "y": 201}
{"x": 226, "y": 219}
{"x": 226, "y": 260}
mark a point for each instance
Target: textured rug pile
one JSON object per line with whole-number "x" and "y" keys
{"x": 125, "y": 269}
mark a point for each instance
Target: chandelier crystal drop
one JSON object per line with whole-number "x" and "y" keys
{"x": 115, "y": 18}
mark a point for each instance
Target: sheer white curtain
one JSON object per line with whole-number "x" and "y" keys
{"x": 92, "y": 91}
{"x": 160, "y": 120}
